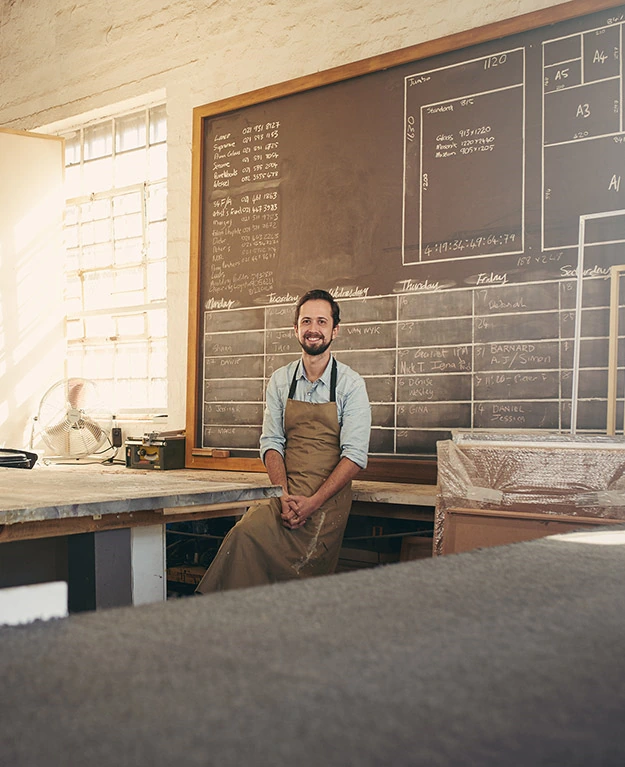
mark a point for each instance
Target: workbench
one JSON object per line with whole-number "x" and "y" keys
{"x": 109, "y": 522}
{"x": 108, "y": 525}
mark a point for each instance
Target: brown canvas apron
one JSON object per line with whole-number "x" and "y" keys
{"x": 259, "y": 549}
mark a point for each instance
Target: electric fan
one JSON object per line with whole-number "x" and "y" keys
{"x": 73, "y": 422}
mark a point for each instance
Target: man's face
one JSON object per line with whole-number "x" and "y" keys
{"x": 314, "y": 328}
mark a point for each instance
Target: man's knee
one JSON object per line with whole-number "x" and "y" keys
{"x": 252, "y": 522}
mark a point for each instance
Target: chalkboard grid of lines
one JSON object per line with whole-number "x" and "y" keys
{"x": 483, "y": 357}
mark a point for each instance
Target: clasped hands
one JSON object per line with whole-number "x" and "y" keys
{"x": 296, "y": 509}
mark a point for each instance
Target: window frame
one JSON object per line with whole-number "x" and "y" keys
{"x": 118, "y": 344}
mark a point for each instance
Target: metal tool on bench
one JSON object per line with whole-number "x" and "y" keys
{"x": 156, "y": 450}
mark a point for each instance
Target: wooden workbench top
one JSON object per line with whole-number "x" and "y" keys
{"x": 367, "y": 491}
{"x": 58, "y": 491}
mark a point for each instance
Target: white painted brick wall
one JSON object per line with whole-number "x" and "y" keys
{"x": 68, "y": 57}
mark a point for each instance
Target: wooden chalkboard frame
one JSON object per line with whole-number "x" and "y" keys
{"x": 385, "y": 469}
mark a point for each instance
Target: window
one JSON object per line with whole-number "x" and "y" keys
{"x": 116, "y": 271}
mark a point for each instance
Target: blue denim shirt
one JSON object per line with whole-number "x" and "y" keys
{"x": 352, "y": 406}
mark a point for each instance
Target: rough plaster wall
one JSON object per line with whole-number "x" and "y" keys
{"x": 31, "y": 279}
{"x": 61, "y": 58}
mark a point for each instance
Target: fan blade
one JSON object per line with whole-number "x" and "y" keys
{"x": 57, "y": 436}
{"x": 61, "y": 427}
{"x": 76, "y": 393}
{"x": 97, "y": 432}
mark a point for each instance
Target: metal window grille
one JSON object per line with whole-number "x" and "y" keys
{"x": 116, "y": 271}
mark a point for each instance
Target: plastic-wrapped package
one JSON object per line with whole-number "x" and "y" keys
{"x": 546, "y": 474}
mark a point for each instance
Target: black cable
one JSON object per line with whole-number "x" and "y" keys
{"x": 195, "y": 535}
{"x": 419, "y": 534}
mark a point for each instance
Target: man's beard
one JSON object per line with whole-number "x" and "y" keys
{"x": 315, "y": 351}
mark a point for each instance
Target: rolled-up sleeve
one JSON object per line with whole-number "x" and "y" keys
{"x": 273, "y": 437}
{"x": 356, "y": 424}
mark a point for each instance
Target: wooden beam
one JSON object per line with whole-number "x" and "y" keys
{"x": 615, "y": 283}
{"x": 52, "y": 528}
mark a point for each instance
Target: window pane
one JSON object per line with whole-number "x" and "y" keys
{"x": 129, "y": 287}
{"x": 125, "y": 361}
{"x": 131, "y": 324}
{"x": 139, "y": 393}
{"x": 87, "y": 233}
{"x": 95, "y": 362}
{"x": 157, "y": 162}
{"x": 139, "y": 367}
{"x": 130, "y": 132}
{"x": 95, "y": 210}
{"x": 73, "y": 181}
{"x": 127, "y": 226}
{"x": 75, "y": 357}
{"x": 157, "y": 240}
{"x": 96, "y": 255}
{"x": 71, "y": 215}
{"x": 95, "y": 231}
{"x": 102, "y": 230}
{"x": 75, "y": 329}
{"x": 71, "y": 236}
{"x": 106, "y": 390}
{"x": 72, "y": 259}
{"x": 72, "y": 148}
{"x": 123, "y": 393}
{"x": 98, "y": 289}
{"x": 99, "y": 326}
{"x": 157, "y": 322}
{"x": 158, "y": 392}
{"x": 105, "y": 356}
{"x": 127, "y": 203}
{"x": 129, "y": 251}
{"x": 157, "y": 202}
{"x": 158, "y": 124}
{"x": 130, "y": 279}
{"x": 97, "y": 175}
{"x": 98, "y": 140}
{"x": 130, "y": 168}
{"x": 158, "y": 360}
{"x": 157, "y": 280}
{"x": 73, "y": 294}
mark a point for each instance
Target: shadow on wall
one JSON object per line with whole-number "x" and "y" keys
{"x": 32, "y": 342}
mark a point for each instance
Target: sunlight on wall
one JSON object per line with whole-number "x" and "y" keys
{"x": 4, "y": 415}
{"x": 3, "y": 364}
{"x": 32, "y": 346}
{"x": 38, "y": 272}
{"x": 4, "y": 407}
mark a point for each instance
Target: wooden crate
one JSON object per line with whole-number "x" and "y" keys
{"x": 188, "y": 574}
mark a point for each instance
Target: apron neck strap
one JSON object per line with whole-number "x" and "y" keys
{"x": 333, "y": 377}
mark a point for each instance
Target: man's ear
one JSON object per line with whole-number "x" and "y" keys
{"x": 335, "y": 331}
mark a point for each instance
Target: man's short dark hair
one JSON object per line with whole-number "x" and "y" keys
{"x": 319, "y": 295}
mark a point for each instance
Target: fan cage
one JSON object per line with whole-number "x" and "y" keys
{"x": 74, "y": 422}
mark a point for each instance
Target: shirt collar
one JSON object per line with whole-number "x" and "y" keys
{"x": 324, "y": 377}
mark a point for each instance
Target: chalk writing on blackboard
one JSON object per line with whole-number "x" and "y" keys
{"x": 440, "y": 200}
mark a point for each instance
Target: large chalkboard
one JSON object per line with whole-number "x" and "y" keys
{"x": 445, "y": 194}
